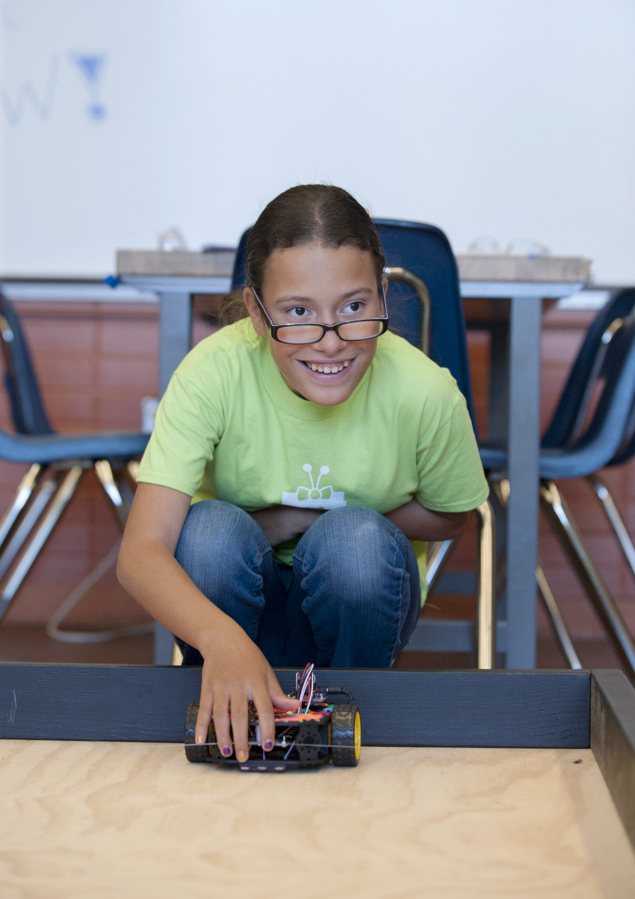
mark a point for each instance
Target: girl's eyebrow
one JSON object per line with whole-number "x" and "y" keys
{"x": 299, "y": 299}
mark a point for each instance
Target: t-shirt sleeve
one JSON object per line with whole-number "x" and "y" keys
{"x": 450, "y": 474}
{"x": 188, "y": 425}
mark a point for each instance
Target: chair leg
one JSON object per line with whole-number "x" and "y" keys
{"x": 26, "y": 487}
{"x": 562, "y": 634}
{"x": 57, "y": 506}
{"x": 438, "y": 554}
{"x": 486, "y": 611}
{"x": 562, "y": 523}
{"x": 614, "y": 518}
{"x": 112, "y": 490}
{"x": 557, "y": 621}
{"x": 133, "y": 469}
{"x": 40, "y": 501}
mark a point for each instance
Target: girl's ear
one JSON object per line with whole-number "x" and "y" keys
{"x": 254, "y": 312}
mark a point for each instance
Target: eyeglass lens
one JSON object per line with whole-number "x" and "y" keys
{"x": 355, "y": 330}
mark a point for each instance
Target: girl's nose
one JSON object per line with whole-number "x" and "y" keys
{"x": 331, "y": 343}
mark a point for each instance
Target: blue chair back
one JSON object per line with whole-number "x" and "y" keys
{"x": 239, "y": 274}
{"x": 426, "y": 252}
{"x": 27, "y": 408}
{"x": 609, "y": 425}
{"x": 585, "y": 371}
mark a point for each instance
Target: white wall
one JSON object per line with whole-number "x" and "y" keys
{"x": 510, "y": 118}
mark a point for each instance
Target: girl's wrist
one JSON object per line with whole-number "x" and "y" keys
{"x": 216, "y": 634}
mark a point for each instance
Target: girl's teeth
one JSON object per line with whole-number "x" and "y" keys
{"x": 328, "y": 370}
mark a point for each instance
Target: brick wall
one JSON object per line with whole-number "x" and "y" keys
{"x": 96, "y": 361}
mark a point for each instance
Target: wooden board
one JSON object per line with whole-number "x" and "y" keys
{"x": 398, "y": 708}
{"x": 183, "y": 263}
{"x": 136, "y": 820}
{"x": 523, "y": 268}
{"x": 176, "y": 263}
{"x": 613, "y": 740}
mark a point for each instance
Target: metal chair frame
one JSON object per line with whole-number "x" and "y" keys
{"x": 439, "y": 551}
{"x": 587, "y": 448}
{"x": 57, "y": 464}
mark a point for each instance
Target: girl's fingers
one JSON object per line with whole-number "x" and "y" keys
{"x": 240, "y": 721}
{"x": 278, "y": 696}
{"x": 204, "y": 713}
{"x": 221, "y": 726}
{"x": 266, "y": 719}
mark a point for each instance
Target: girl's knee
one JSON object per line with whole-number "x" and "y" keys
{"x": 218, "y": 528}
{"x": 354, "y": 536}
{"x": 353, "y": 552}
{"x": 356, "y": 525}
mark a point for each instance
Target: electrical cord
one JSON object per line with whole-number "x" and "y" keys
{"x": 68, "y": 636}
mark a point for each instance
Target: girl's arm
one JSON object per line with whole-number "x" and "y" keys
{"x": 419, "y": 523}
{"x": 234, "y": 670}
{"x": 282, "y": 523}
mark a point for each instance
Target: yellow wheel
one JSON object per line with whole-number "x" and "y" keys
{"x": 346, "y": 736}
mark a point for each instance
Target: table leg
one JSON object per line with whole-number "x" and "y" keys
{"x": 498, "y": 388}
{"x": 175, "y": 334}
{"x": 175, "y": 340}
{"x": 524, "y": 443}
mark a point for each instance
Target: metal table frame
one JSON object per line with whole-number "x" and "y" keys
{"x": 514, "y": 401}
{"x": 515, "y": 413}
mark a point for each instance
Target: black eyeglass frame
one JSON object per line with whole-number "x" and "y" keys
{"x": 274, "y": 328}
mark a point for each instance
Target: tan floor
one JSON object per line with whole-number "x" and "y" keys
{"x": 137, "y": 820}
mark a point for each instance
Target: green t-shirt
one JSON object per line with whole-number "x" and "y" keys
{"x": 230, "y": 428}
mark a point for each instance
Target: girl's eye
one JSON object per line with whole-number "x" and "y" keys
{"x": 354, "y": 307}
{"x": 299, "y": 311}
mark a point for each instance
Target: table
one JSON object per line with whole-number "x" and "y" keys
{"x": 470, "y": 784}
{"x": 515, "y": 417}
{"x": 525, "y": 283}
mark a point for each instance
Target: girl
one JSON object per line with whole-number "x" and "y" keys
{"x": 296, "y": 454}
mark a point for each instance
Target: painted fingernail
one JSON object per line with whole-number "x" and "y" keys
{"x": 199, "y": 738}
{"x": 268, "y": 745}
{"x": 242, "y": 756}
{"x": 227, "y": 750}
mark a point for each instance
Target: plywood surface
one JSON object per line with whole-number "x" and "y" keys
{"x": 523, "y": 268}
{"x": 136, "y": 820}
{"x": 175, "y": 263}
{"x": 471, "y": 267}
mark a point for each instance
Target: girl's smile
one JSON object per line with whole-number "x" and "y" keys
{"x": 314, "y": 283}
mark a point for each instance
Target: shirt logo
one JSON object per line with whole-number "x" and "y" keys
{"x": 315, "y": 497}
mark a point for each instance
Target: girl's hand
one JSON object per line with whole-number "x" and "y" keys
{"x": 235, "y": 672}
{"x": 282, "y": 523}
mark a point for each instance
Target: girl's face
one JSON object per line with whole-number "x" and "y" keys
{"x": 312, "y": 283}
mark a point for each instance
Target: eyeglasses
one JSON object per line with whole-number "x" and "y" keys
{"x": 356, "y": 329}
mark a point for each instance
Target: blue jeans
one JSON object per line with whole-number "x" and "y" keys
{"x": 351, "y": 599}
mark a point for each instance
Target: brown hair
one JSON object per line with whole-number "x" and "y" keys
{"x": 308, "y": 213}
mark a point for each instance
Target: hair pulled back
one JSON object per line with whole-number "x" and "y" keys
{"x": 308, "y": 213}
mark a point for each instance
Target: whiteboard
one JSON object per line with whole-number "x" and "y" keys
{"x": 505, "y": 121}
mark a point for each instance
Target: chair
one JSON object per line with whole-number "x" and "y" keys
{"x": 420, "y": 256}
{"x": 624, "y": 454}
{"x": 565, "y": 423}
{"x": 607, "y": 439}
{"x": 57, "y": 463}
